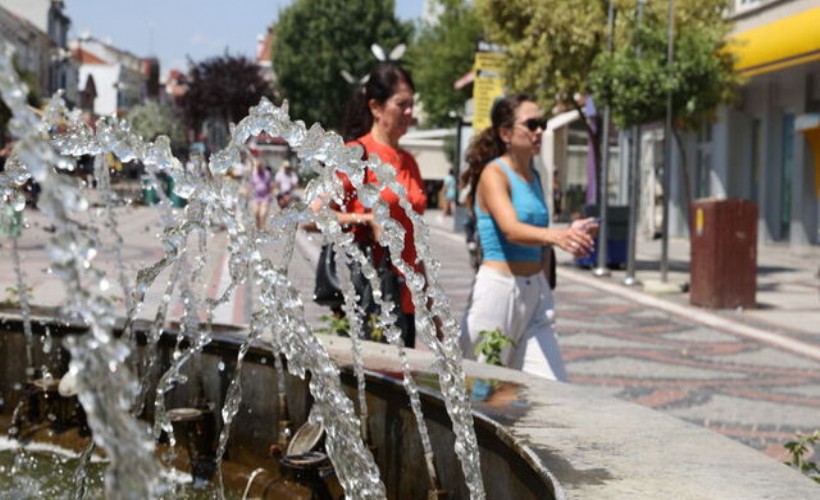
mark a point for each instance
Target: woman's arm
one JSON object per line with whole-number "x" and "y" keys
{"x": 494, "y": 198}
{"x": 344, "y": 218}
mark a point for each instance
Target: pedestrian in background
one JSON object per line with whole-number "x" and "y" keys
{"x": 262, "y": 189}
{"x": 449, "y": 189}
{"x": 286, "y": 183}
{"x": 465, "y": 195}
{"x": 376, "y": 118}
{"x": 511, "y": 290}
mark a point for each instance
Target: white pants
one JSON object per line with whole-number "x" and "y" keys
{"x": 523, "y": 308}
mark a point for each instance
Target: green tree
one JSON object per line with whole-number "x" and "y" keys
{"x": 557, "y": 50}
{"x": 150, "y": 120}
{"x": 441, "y": 54}
{"x": 701, "y": 77}
{"x": 315, "y": 40}
{"x": 551, "y": 44}
{"x": 225, "y": 87}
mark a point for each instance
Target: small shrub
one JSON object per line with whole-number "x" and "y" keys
{"x": 491, "y": 344}
{"x": 799, "y": 449}
{"x": 13, "y": 296}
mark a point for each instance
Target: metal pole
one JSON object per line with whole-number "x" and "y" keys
{"x": 457, "y": 209}
{"x": 603, "y": 183}
{"x": 635, "y": 184}
{"x": 634, "y": 205}
{"x": 667, "y": 150}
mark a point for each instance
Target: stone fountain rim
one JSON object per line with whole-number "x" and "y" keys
{"x": 587, "y": 445}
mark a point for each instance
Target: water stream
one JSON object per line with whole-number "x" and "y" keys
{"x": 101, "y": 362}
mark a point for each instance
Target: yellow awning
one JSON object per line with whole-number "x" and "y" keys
{"x": 786, "y": 42}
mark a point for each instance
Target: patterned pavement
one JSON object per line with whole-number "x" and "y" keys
{"x": 758, "y": 394}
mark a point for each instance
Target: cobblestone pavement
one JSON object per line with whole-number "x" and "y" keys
{"x": 755, "y": 393}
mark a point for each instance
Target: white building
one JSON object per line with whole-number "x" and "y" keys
{"x": 119, "y": 76}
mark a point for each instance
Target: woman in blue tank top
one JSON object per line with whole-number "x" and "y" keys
{"x": 511, "y": 291}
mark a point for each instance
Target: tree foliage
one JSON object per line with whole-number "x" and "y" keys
{"x": 557, "y": 50}
{"x": 225, "y": 87}
{"x": 551, "y": 44}
{"x": 700, "y": 78}
{"x": 150, "y": 120}
{"x": 441, "y": 54}
{"x": 316, "y": 39}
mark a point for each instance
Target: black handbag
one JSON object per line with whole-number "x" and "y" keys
{"x": 327, "y": 290}
{"x": 389, "y": 281}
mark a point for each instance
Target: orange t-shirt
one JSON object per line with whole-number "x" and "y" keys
{"x": 409, "y": 176}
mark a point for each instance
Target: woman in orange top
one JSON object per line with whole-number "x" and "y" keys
{"x": 379, "y": 114}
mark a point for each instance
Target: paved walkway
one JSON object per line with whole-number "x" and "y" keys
{"x": 752, "y": 375}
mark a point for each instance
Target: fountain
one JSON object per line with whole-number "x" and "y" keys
{"x": 114, "y": 383}
{"x": 122, "y": 395}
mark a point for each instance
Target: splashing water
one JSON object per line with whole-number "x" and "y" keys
{"x": 100, "y": 360}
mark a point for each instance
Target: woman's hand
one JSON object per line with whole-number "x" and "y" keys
{"x": 576, "y": 240}
{"x": 589, "y": 225}
{"x": 376, "y": 228}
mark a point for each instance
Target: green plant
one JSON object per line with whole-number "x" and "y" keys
{"x": 341, "y": 326}
{"x": 800, "y": 450}
{"x": 376, "y": 332}
{"x": 491, "y": 344}
{"x": 13, "y": 296}
{"x": 338, "y": 325}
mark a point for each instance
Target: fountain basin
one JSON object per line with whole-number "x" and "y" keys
{"x": 538, "y": 439}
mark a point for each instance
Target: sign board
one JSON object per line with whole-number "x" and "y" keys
{"x": 489, "y": 83}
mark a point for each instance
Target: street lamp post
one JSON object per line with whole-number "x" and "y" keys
{"x": 667, "y": 139}
{"x": 603, "y": 184}
{"x": 635, "y": 182}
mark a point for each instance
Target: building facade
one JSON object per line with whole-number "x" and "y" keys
{"x": 120, "y": 78}
{"x": 38, "y": 31}
{"x": 766, "y": 146}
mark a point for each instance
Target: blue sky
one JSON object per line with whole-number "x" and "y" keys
{"x": 174, "y": 29}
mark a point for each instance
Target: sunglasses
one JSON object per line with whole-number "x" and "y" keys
{"x": 534, "y": 123}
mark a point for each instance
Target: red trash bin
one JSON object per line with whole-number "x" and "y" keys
{"x": 723, "y": 263}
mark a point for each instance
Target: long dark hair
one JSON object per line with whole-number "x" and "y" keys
{"x": 381, "y": 85}
{"x": 488, "y": 144}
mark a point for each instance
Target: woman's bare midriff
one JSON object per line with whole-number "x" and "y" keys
{"x": 514, "y": 268}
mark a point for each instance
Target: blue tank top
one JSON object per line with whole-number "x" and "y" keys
{"x": 528, "y": 202}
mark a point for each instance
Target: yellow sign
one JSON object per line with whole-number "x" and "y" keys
{"x": 487, "y": 87}
{"x": 699, "y": 222}
{"x": 490, "y": 61}
{"x": 485, "y": 92}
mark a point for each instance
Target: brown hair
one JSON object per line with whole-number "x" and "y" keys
{"x": 488, "y": 144}
{"x": 381, "y": 85}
